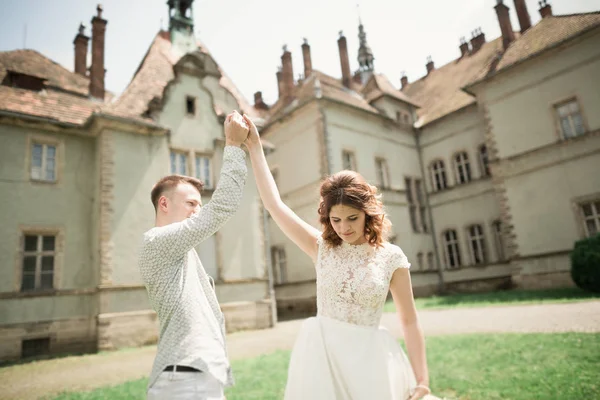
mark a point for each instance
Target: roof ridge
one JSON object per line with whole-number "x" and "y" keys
{"x": 574, "y": 14}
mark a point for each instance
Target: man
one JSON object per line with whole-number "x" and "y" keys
{"x": 191, "y": 360}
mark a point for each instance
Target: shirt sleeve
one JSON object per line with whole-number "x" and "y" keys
{"x": 175, "y": 240}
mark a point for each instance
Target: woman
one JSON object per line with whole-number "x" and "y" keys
{"x": 342, "y": 353}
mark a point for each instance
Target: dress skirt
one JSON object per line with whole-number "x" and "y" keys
{"x": 336, "y": 360}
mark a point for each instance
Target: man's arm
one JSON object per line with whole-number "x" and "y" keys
{"x": 178, "y": 238}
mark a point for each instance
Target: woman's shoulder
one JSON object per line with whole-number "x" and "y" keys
{"x": 395, "y": 256}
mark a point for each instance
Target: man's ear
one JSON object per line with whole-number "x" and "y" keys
{"x": 163, "y": 203}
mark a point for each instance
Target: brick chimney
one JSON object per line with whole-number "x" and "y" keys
{"x": 505, "y": 25}
{"x": 545, "y": 9}
{"x": 464, "y": 47}
{"x": 344, "y": 60}
{"x": 97, "y": 70}
{"x": 280, "y": 87}
{"x": 259, "y": 103}
{"x": 523, "y": 14}
{"x": 403, "y": 81}
{"x": 430, "y": 66}
{"x": 287, "y": 72}
{"x": 478, "y": 40}
{"x": 307, "y": 59}
{"x": 81, "y": 48}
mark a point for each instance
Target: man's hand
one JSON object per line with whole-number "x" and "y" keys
{"x": 236, "y": 129}
{"x": 253, "y": 139}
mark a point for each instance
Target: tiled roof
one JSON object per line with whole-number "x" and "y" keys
{"x": 31, "y": 62}
{"x": 379, "y": 85}
{"x": 549, "y": 32}
{"x": 440, "y": 92}
{"x": 156, "y": 71}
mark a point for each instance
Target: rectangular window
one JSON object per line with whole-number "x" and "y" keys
{"x": 279, "y": 264}
{"x": 477, "y": 244}
{"x": 451, "y": 249}
{"x": 190, "y": 106}
{"x": 570, "y": 119}
{"x": 179, "y": 163}
{"x": 420, "y": 261}
{"x": 39, "y": 252}
{"x": 438, "y": 175}
{"x": 35, "y": 347}
{"x": 204, "y": 170}
{"x": 43, "y": 162}
{"x": 484, "y": 161}
{"x": 590, "y": 212}
{"x": 463, "y": 168}
{"x": 383, "y": 174}
{"x": 348, "y": 160}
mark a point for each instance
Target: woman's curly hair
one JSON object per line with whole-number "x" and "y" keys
{"x": 350, "y": 189}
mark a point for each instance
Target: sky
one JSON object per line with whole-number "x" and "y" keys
{"x": 246, "y": 37}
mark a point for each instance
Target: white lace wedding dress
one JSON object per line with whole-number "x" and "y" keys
{"x": 342, "y": 353}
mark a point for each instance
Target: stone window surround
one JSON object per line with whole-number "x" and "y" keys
{"x": 191, "y": 159}
{"x": 555, "y": 117}
{"x": 466, "y": 164}
{"x": 59, "y": 157}
{"x": 433, "y": 175}
{"x": 445, "y": 249}
{"x": 280, "y": 274}
{"x": 59, "y": 250}
{"x": 387, "y": 182}
{"x": 468, "y": 238}
{"x": 353, "y": 158}
{"x": 576, "y": 203}
{"x": 210, "y": 164}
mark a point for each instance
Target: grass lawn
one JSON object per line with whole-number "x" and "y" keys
{"x": 470, "y": 367}
{"x": 501, "y": 298}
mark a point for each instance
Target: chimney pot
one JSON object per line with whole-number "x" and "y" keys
{"x": 478, "y": 40}
{"x": 344, "y": 60}
{"x": 430, "y": 66}
{"x": 545, "y": 9}
{"x": 404, "y": 80}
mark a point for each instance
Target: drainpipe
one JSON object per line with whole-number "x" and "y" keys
{"x": 441, "y": 285}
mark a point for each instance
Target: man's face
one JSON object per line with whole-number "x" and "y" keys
{"x": 180, "y": 203}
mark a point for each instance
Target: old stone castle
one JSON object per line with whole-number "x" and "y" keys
{"x": 489, "y": 167}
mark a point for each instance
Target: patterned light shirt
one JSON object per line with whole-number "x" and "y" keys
{"x": 192, "y": 326}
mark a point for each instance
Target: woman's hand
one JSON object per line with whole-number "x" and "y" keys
{"x": 253, "y": 139}
{"x": 420, "y": 392}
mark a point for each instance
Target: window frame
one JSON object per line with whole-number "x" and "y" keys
{"x": 558, "y": 119}
{"x": 455, "y": 242}
{"x": 462, "y": 165}
{"x": 434, "y": 172}
{"x": 383, "y": 173}
{"x": 479, "y": 255}
{"x": 352, "y": 155}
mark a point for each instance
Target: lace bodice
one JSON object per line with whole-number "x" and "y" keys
{"x": 353, "y": 281}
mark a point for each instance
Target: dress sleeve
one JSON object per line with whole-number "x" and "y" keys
{"x": 397, "y": 260}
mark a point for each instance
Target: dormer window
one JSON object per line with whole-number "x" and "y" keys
{"x": 24, "y": 81}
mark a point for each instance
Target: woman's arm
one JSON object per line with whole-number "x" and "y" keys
{"x": 301, "y": 233}
{"x": 401, "y": 289}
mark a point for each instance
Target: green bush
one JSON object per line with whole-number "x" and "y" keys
{"x": 585, "y": 264}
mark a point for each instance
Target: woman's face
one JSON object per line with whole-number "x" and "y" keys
{"x": 348, "y": 223}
